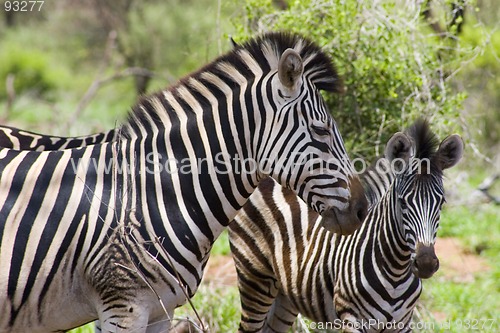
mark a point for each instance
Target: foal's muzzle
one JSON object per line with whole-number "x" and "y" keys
{"x": 425, "y": 263}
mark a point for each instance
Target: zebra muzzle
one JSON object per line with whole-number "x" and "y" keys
{"x": 346, "y": 222}
{"x": 342, "y": 222}
{"x": 425, "y": 262}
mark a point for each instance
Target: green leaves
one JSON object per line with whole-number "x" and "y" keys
{"x": 29, "y": 68}
{"x": 392, "y": 66}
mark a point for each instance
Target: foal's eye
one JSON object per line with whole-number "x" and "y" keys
{"x": 442, "y": 203}
{"x": 321, "y": 131}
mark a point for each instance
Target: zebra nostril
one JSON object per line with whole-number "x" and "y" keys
{"x": 424, "y": 265}
{"x": 361, "y": 209}
{"x": 436, "y": 264}
{"x": 358, "y": 202}
{"x": 361, "y": 214}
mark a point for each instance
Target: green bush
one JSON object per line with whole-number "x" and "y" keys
{"x": 29, "y": 68}
{"x": 481, "y": 79}
{"x": 393, "y": 67}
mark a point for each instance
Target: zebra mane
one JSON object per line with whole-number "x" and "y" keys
{"x": 265, "y": 51}
{"x": 426, "y": 146}
{"x": 268, "y": 48}
{"x": 425, "y": 140}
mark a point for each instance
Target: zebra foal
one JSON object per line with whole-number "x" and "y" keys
{"x": 121, "y": 231}
{"x": 287, "y": 264}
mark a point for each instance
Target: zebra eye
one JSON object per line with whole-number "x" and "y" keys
{"x": 442, "y": 203}
{"x": 402, "y": 203}
{"x": 321, "y": 131}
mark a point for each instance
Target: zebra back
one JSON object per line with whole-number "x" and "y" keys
{"x": 18, "y": 139}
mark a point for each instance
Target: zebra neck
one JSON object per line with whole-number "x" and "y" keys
{"x": 394, "y": 253}
{"x": 198, "y": 167}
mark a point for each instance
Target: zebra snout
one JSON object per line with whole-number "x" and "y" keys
{"x": 360, "y": 209}
{"x": 358, "y": 204}
{"x": 347, "y": 221}
{"x": 344, "y": 222}
{"x": 425, "y": 263}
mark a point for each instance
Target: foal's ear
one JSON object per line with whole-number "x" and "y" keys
{"x": 399, "y": 146}
{"x": 450, "y": 151}
{"x": 290, "y": 69}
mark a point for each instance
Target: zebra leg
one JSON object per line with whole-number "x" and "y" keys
{"x": 124, "y": 319}
{"x": 157, "y": 327}
{"x": 161, "y": 325}
{"x": 129, "y": 322}
{"x": 257, "y": 295}
{"x": 346, "y": 311}
{"x": 281, "y": 316}
{"x": 97, "y": 326}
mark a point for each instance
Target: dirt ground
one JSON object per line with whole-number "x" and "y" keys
{"x": 455, "y": 264}
{"x": 220, "y": 271}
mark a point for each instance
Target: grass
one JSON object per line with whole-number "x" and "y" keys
{"x": 456, "y": 303}
{"x": 477, "y": 227}
{"x": 221, "y": 245}
{"x": 218, "y": 307}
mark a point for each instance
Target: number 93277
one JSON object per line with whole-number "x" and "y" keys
{"x": 23, "y": 6}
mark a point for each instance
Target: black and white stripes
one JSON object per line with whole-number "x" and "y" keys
{"x": 18, "y": 139}
{"x": 121, "y": 237}
{"x": 287, "y": 264}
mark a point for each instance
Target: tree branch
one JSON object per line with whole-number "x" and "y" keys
{"x": 99, "y": 83}
{"x": 485, "y": 186}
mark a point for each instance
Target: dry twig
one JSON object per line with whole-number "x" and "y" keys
{"x": 486, "y": 185}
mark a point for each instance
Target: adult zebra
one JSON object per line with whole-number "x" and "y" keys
{"x": 111, "y": 232}
{"x": 369, "y": 281}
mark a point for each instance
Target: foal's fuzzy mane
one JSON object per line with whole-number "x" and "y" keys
{"x": 265, "y": 51}
{"x": 426, "y": 142}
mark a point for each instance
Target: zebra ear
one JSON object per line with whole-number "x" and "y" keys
{"x": 233, "y": 43}
{"x": 450, "y": 151}
{"x": 290, "y": 69}
{"x": 399, "y": 146}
